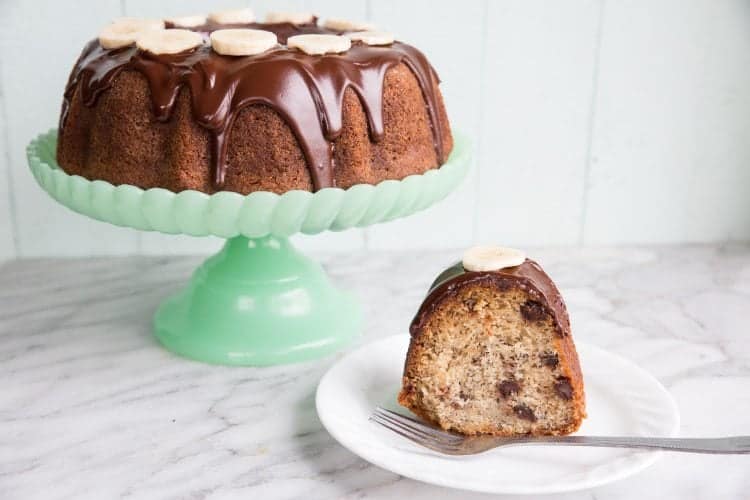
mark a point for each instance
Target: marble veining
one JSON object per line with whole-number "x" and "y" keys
{"x": 91, "y": 407}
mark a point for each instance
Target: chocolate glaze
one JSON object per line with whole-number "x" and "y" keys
{"x": 307, "y": 91}
{"x": 531, "y": 310}
{"x": 283, "y": 30}
{"x": 528, "y": 277}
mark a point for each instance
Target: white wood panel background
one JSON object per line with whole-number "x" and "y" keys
{"x": 593, "y": 121}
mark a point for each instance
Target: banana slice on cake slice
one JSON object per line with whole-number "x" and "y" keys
{"x": 492, "y": 258}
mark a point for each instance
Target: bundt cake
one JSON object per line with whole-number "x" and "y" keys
{"x": 491, "y": 350}
{"x": 226, "y": 103}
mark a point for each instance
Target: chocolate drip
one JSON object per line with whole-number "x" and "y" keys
{"x": 307, "y": 91}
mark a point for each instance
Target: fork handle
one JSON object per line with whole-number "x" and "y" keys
{"x": 733, "y": 444}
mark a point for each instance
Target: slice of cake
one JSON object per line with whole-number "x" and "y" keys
{"x": 491, "y": 350}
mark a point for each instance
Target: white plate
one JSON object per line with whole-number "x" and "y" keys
{"x": 621, "y": 399}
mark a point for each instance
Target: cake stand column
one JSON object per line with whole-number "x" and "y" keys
{"x": 257, "y": 302}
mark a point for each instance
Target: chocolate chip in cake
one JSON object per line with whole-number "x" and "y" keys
{"x": 532, "y": 310}
{"x": 524, "y": 412}
{"x": 563, "y": 388}
{"x": 508, "y": 387}
{"x": 549, "y": 359}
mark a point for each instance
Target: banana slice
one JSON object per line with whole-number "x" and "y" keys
{"x": 492, "y": 258}
{"x": 316, "y": 45}
{"x": 289, "y": 17}
{"x": 337, "y": 24}
{"x": 236, "y": 16}
{"x": 187, "y": 21}
{"x": 124, "y": 31}
{"x": 168, "y": 41}
{"x": 372, "y": 37}
{"x": 242, "y": 42}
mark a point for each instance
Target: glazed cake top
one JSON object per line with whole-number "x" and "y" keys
{"x": 307, "y": 90}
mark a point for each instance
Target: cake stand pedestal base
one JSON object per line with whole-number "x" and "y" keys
{"x": 257, "y": 302}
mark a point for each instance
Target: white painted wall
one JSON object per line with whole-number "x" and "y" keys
{"x": 594, "y": 121}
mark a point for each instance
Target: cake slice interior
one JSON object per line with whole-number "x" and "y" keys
{"x": 491, "y": 358}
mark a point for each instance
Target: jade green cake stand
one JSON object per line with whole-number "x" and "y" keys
{"x": 258, "y": 301}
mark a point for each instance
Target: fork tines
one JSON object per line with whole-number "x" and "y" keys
{"x": 416, "y": 431}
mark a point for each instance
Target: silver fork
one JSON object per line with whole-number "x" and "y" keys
{"x": 455, "y": 444}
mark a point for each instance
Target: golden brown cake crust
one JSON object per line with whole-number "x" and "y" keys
{"x": 116, "y": 136}
{"x": 537, "y": 302}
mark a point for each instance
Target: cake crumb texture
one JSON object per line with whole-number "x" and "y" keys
{"x": 489, "y": 360}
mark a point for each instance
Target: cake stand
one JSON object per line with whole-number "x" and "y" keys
{"x": 258, "y": 301}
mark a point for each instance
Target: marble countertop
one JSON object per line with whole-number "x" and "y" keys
{"x": 92, "y": 407}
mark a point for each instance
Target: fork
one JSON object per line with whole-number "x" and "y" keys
{"x": 455, "y": 444}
